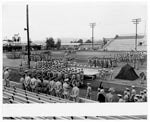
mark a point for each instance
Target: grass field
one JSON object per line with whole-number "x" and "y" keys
{"x": 81, "y": 57}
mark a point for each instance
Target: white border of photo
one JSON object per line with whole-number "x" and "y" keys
{"x": 73, "y": 109}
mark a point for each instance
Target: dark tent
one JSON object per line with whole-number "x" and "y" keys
{"x": 127, "y": 73}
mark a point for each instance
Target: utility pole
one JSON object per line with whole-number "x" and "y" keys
{"x": 136, "y": 22}
{"x": 28, "y": 38}
{"x": 92, "y": 25}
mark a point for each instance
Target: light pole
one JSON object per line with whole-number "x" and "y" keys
{"x": 92, "y": 25}
{"x": 136, "y": 22}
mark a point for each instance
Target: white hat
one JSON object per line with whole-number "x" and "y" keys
{"x": 144, "y": 90}
{"x": 119, "y": 95}
{"x": 137, "y": 95}
{"x": 88, "y": 83}
{"x": 135, "y": 98}
{"x": 6, "y": 68}
{"x": 133, "y": 91}
{"x": 141, "y": 92}
{"x": 26, "y": 71}
{"x": 98, "y": 89}
{"x": 66, "y": 79}
{"x": 111, "y": 90}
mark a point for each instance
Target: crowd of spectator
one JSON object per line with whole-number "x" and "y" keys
{"x": 129, "y": 95}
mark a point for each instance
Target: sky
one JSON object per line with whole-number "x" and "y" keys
{"x": 72, "y": 19}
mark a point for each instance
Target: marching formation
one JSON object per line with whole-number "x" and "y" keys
{"x": 66, "y": 84}
{"x": 112, "y": 61}
{"x": 62, "y": 78}
{"x": 102, "y": 62}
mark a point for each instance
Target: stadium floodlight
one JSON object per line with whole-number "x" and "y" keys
{"x": 92, "y": 25}
{"x": 25, "y": 29}
{"x": 136, "y": 22}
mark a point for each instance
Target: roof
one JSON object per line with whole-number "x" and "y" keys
{"x": 18, "y": 44}
{"x": 130, "y": 37}
{"x": 70, "y": 44}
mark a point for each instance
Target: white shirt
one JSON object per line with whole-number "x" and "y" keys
{"x": 89, "y": 90}
{"x": 6, "y": 74}
{"x": 33, "y": 82}
{"x": 58, "y": 86}
{"x": 38, "y": 80}
{"x": 52, "y": 84}
{"x": 66, "y": 88}
{"x": 27, "y": 80}
{"x": 22, "y": 80}
{"x": 75, "y": 91}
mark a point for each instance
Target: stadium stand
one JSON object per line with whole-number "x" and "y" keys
{"x": 126, "y": 43}
{"x": 17, "y": 95}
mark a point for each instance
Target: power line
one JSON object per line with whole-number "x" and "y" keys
{"x": 28, "y": 39}
{"x": 92, "y": 25}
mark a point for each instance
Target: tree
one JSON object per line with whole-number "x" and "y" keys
{"x": 104, "y": 41}
{"x": 80, "y": 41}
{"x": 50, "y": 43}
{"x": 58, "y": 44}
{"x": 88, "y": 41}
{"x": 116, "y": 36}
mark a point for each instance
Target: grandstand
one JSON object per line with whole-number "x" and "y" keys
{"x": 126, "y": 43}
{"x": 16, "y": 95}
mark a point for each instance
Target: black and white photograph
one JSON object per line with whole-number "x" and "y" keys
{"x": 70, "y": 52}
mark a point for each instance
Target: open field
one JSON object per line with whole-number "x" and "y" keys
{"x": 81, "y": 57}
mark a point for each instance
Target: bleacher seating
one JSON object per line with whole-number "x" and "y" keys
{"x": 17, "y": 95}
{"x": 126, "y": 44}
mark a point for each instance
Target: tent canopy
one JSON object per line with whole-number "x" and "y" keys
{"x": 127, "y": 73}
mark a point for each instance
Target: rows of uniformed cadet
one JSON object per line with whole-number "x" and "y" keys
{"x": 112, "y": 61}
{"x": 67, "y": 88}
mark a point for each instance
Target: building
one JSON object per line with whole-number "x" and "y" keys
{"x": 69, "y": 45}
{"x": 18, "y": 46}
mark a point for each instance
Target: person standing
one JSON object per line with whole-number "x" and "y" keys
{"x": 109, "y": 96}
{"x": 27, "y": 80}
{"x": 38, "y": 85}
{"x": 52, "y": 87}
{"x": 120, "y": 98}
{"x": 75, "y": 93}
{"x": 66, "y": 89}
{"x": 133, "y": 93}
{"x": 6, "y": 77}
{"x": 111, "y": 73}
{"x": 22, "y": 81}
{"x": 33, "y": 83}
{"x": 101, "y": 95}
{"x": 88, "y": 91}
{"x": 58, "y": 88}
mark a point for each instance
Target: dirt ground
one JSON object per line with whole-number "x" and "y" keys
{"x": 81, "y": 58}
